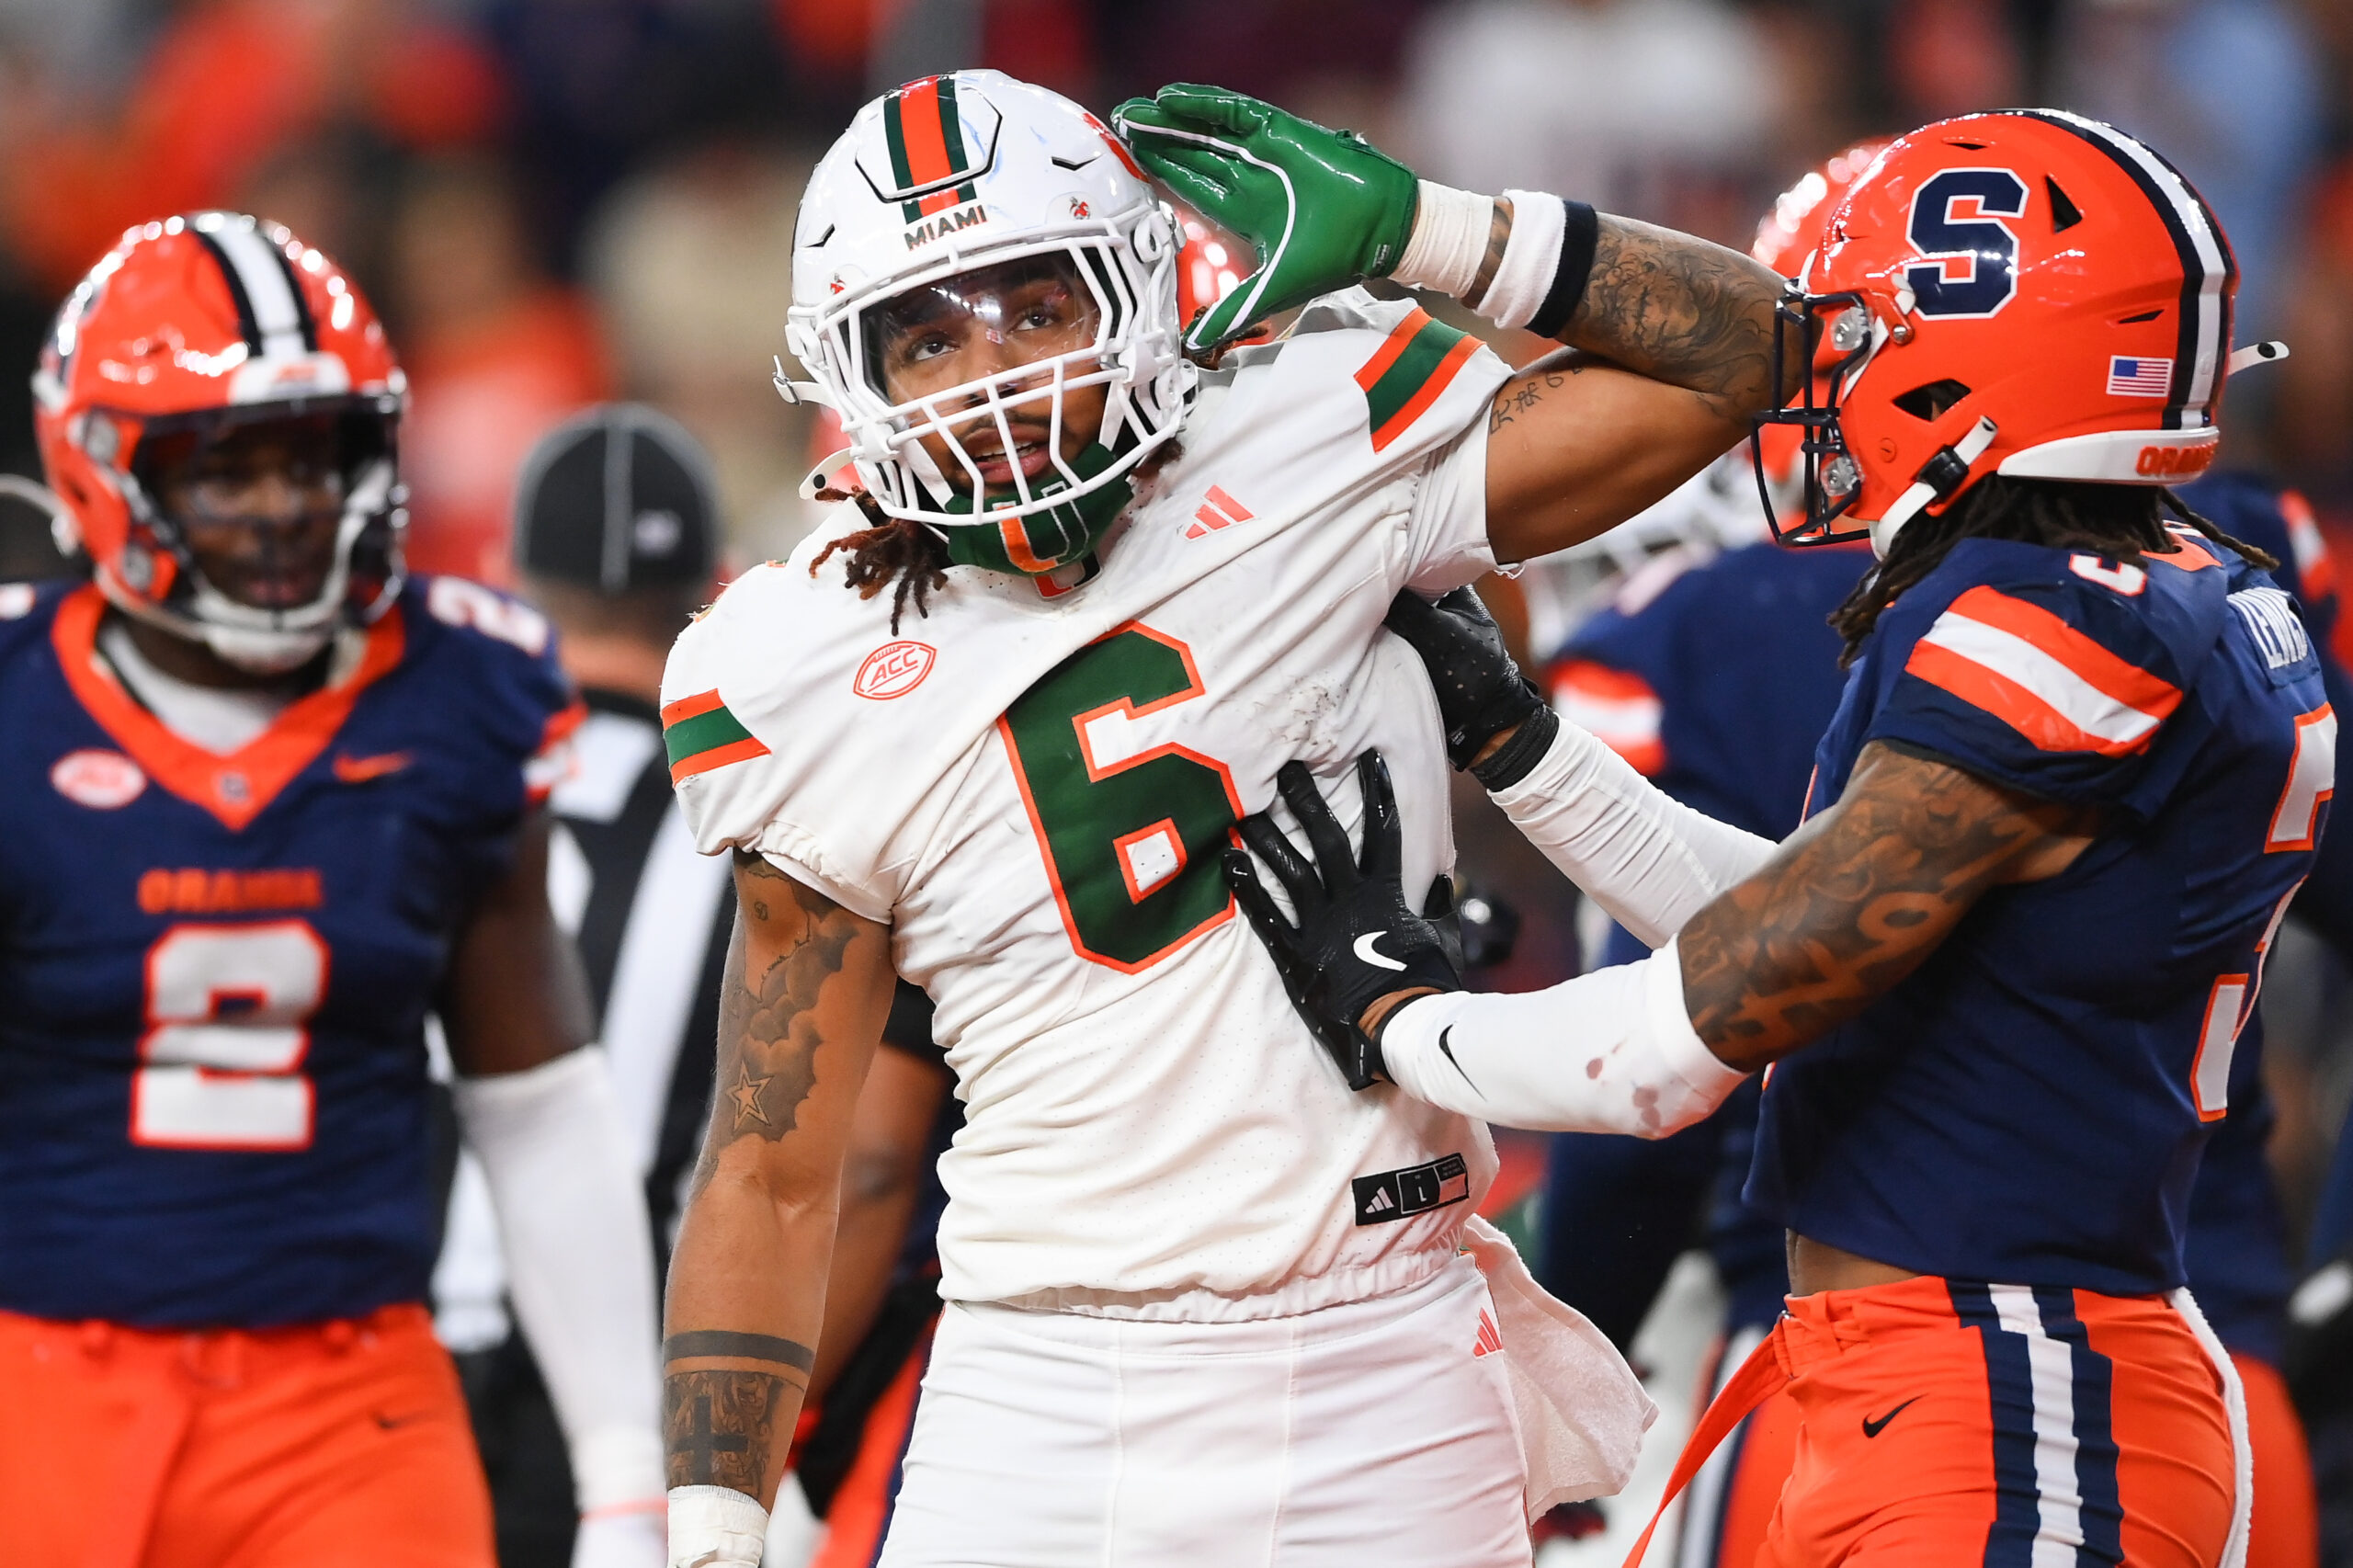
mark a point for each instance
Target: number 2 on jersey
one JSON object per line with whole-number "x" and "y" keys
{"x": 228, "y": 1008}
{"x": 1129, "y": 842}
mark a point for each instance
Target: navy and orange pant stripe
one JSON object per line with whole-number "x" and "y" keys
{"x": 1942, "y": 1423}
{"x": 1727, "y": 1530}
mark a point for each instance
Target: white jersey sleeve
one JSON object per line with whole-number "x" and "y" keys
{"x": 727, "y": 723}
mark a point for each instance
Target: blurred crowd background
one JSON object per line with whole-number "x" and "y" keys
{"x": 557, "y": 202}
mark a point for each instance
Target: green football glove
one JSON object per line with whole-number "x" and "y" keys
{"x": 1323, "y": 208}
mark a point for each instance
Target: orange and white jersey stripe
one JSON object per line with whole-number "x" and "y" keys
{"x": 1617, "y": 707}
{"x": 2053, "y": 683}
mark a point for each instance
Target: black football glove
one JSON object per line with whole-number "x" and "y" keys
{"x": 1481, "y": 692}
{"x": 1356, "y": 940}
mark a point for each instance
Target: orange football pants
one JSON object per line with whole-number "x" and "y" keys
{"x": 338, "y": 1445}
{"x": 1942, "y": 1423}
{"x": 2285, "y": 1531}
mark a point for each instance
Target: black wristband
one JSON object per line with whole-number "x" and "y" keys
{"x": 1567, "y": 292}
{"x": 1517, "y": 757}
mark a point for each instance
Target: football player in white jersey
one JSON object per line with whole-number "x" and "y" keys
{"x": 1205, "y": 1298}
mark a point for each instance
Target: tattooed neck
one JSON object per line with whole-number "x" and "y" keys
{"x": 725, "y": 1396}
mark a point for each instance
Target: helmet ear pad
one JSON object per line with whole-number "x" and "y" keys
{"x": 2055, "y": 302}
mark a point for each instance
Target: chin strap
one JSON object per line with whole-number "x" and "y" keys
{"x": 1940, "y": 476}
{"x": 2269, "y": 352}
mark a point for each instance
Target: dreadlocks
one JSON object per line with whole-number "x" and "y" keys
{"x": 909, "y": 558}
{"x": 894, "y": 550}
{"x": 2123, "y": 522}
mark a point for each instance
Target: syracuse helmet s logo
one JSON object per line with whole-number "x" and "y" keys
{"x": 1971, "y": 266}
{"x": 894, "y": 669}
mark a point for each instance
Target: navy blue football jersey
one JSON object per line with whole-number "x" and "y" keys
{"x": 2029, "y": 1106}
{"x": 1716, "y": 677}
{"x": 212, "y": 1063}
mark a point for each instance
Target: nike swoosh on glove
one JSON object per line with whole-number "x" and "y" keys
{"x": 1323, "y": 208}
{"x": 1356, "y": 939}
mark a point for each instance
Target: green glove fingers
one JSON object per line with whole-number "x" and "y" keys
{"x": 1215, "y": 107}
{"x": 1322, "y": 208}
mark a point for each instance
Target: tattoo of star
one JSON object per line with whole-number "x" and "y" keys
{"x": 746, "y": 1095}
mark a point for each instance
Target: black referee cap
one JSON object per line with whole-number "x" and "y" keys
{"x": 616, "y": 498}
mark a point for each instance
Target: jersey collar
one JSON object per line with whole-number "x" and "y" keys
{"x": 235, "y": 787}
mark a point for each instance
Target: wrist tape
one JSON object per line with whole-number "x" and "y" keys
{"x": 1540, "y": 281}
{"x": 716, "y": 1526}
{"x": 1449, "y": 241}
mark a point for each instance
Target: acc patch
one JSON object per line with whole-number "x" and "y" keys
{"x": 894, "y": 669}
{"x": 1394, "y": 1194}
{"x": 102, "y": 780}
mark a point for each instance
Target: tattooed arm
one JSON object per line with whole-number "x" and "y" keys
{"x": 807, "y": 988}
{"x": 1674, "y": 343}
{"x": 1858, "y": 899}
{"x": 1835, "y": 918}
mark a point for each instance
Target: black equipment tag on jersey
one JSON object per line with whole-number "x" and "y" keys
{"x": 1392, "y": 1195}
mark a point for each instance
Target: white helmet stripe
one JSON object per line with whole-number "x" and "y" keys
{"x": 254, "y": 267}
{"x": 2207, "y": 266}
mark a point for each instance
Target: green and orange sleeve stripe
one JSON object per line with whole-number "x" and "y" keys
{"x": 1418, "y": 361}
{"x": 700, "y": 734}
{"x": 927, "y": 141}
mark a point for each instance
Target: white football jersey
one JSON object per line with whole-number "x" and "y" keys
{"x": 1033, "y": 791}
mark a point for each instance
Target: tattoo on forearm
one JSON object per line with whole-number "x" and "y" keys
{"x": 1683, "y": 311}
{"x": 718, "y": 1427}
{"x": 768, "y": 1037}
{"x": 1498, "y": 240}
{"x": 719, "y": 1422}
{"x": 727, "y": 1344}
{"x": 1818, "y": 934}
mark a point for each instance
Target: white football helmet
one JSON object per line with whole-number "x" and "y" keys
{"x": 946, "y": 175}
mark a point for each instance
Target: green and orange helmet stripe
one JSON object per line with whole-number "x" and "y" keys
{"x": 927, "y": 141}
{"x": 699, "y": 734}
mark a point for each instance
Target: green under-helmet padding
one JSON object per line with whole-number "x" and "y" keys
{"x": 1041, "y": 541}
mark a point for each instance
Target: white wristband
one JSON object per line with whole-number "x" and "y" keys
{"x": 1449, "y": 241}
{"x": 715, "y": 1526}
{"x": 1530, "y": 262}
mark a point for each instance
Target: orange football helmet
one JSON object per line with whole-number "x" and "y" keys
{"x": 189, "y": 329}
{"x": 2029, "y": 293}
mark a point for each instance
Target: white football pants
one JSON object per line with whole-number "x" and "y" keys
{"x": 1366, "y": 1436}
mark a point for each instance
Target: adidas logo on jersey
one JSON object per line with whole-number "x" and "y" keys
{"x": 1219, "y": 511}
{"x": 1395, "y": 1195}
{"x": 1489, "y": 1340}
